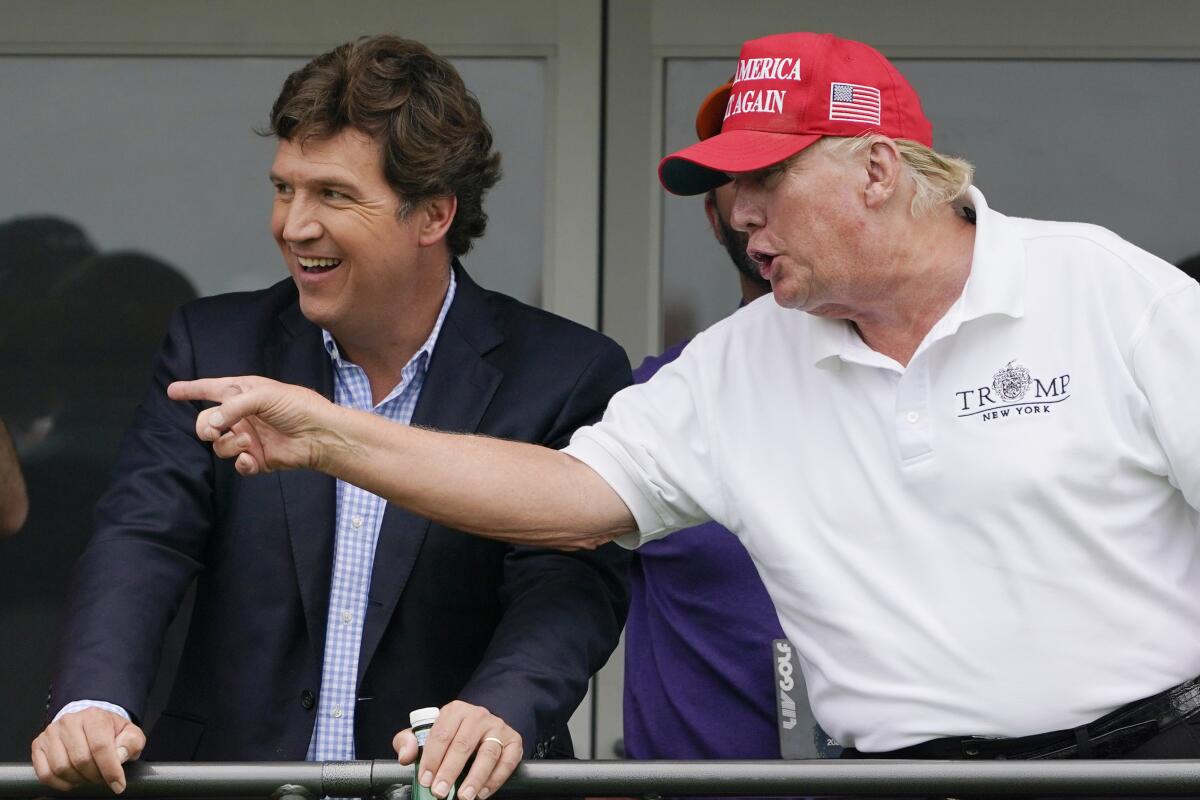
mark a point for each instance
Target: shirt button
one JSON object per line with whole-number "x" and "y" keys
{"x": 356, "y": 521}
{"x": 346, "y": 617}
{"x": 912, "y": 416}
{"x": 337, "y": 712}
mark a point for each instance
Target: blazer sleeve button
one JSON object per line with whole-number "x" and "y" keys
{"x": 308, "y": 699}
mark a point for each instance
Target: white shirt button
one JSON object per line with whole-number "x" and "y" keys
{"x": 912, "y": 416}
{"x": 337, "y": 712}
{"x": 356, "y": 521}
{"x": 346, "y": 617}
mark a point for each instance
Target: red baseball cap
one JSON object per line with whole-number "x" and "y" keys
{"x": 790, "y": 90}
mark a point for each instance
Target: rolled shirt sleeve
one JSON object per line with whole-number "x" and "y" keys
{"x": 654, "y": 447}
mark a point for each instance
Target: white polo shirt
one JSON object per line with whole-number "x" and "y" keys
{"x": 999, "y": 539}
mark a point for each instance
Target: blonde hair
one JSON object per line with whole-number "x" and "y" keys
{"x": 938, "y": 179}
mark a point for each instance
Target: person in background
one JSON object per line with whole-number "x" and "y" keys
{"x": 699, "y": 640}
{"x": 38, "y": 251}
{"x": 322, "y": 615}
{"x": 39, "y": 393}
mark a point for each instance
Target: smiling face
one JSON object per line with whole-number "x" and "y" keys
{"x": 356, "y": 259}
{"x": 807, "y": 227}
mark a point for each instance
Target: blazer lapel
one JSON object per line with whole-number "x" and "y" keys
{"x": 298, "y": 356}
{"x": 458, "y": 387}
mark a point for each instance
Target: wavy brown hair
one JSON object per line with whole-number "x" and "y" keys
{"x": 411, "y": 100}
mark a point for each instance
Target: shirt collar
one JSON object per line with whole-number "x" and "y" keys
{"x": 424, "y": 352}
{"x": 831, "y": 340}
{"x": 996, "y": 285}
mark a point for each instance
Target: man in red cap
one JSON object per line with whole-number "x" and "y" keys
{"x": 966, "y": 475}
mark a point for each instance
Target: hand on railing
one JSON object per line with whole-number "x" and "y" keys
{"x": 463, "y": 730}
{"x": 87, "y": 746}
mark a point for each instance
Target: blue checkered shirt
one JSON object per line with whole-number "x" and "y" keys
{"x": 359, "y": 514}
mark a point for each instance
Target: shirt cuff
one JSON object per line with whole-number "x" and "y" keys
{"x": 80, "y": 705}
{"x": 586, "y": 446}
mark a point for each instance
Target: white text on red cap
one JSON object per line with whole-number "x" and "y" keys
{"x": 768, "y": 69}
{"x": 768, "y": 101}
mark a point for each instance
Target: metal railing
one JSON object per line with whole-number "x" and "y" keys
{"x": 387, "y": 779}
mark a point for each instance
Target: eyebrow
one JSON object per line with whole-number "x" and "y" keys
{"x": 771, "y": 170}
{"x": 322, "y": 182}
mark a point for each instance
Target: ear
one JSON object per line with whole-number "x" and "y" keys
{"x": 436, "y": 214}
{"x": 885, "y": 168}
{"x": 714, "y": 217}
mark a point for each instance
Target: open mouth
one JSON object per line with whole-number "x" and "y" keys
{"x": 763, "y": 260}
{"x": 318, "y": 265}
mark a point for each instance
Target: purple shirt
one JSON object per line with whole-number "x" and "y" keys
{"x": 699, "y": 678}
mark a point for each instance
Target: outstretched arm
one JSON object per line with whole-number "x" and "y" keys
{"x": 514, "y": 492}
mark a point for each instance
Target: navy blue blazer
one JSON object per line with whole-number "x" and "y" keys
{"x": 449, "y": 615}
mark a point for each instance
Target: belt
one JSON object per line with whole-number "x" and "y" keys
{"x": 1110, "y": 736}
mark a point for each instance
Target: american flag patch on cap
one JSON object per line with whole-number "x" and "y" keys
{"x": 854, "y": 103}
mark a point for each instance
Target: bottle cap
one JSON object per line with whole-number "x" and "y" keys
{"x": 423, "y": 716}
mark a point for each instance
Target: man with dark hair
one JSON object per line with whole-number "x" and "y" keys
{"x": 960, "y": 446}
{"x": 323, "y": 616}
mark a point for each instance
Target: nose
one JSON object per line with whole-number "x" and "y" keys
{"x": 299, "y": 220}
{"x": 746, "y": 214}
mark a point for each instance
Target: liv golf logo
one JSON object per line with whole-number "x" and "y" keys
{"x": 1009, "y": 394}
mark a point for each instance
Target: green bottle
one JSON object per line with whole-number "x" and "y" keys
{"x": 421, "y": 721}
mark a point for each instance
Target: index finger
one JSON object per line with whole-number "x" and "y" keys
{"x": 436, "y": 753}
{"x": 215, "y": 389}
